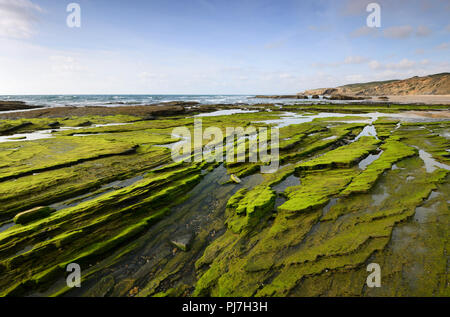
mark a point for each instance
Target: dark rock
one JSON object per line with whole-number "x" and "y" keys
{"x": 330, "y": 91}
{"x": 148, "y": 118}
{"x": 123, "y": 287}
{"x": 277, "y": 97}
{"x": 179, "y": 103}
{"x": 85, "y": 124}
{"x": 344, "y": 97}
{"x": 315, "y": 97}
{"x": 8, "y": 129}
{"x": 15, "y": 105}
{"x": 55, "y": 124}
{"x": 102, "y": 288}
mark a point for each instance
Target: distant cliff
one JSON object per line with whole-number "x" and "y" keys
{"x": 438, "y": 84}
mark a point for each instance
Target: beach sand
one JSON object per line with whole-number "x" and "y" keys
{"x": 424, "y": 99}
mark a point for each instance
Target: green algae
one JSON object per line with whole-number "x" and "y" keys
{"x": 42, "y": 155}
{"x": 36, "y": 124}
{"x": 250, "y": 207}
{"x": 77, "y": 217}
{"x": 290, "y": 277}
{"x": 264, "y": 251}
{"x": 316, "y": 190}
{"x": 427, "y": 139}
{"x": 274, "y": 261}
{"x": 56, "y": 185}
{"x": 344, "y": 156}
{"x": 386, "y": 127}
{"x": 394, "y": 151}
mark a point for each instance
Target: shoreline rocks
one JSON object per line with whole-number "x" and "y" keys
{"x": 298, "y": 96}
{"x": 345, "y": 97}
{"x": 15, "y": 105}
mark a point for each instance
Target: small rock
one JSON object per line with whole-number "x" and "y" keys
{"x": 183, "y": 242}
{"x": 148, "y": 117}
{"x": 85, "y": 124}
{"x": 55, "y": 124}
{"x": 235, "y": 179}
{"x": 134, "y": 291}
{"x": 32, "y": 214}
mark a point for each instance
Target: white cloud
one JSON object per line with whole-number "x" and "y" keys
{"x": 423, "y": 31}
{"x": 286, "y": 76}
{"x": 17, "y": 18}
{"x": 355, "y": 7}
{"x": 355, "y": 78}
{"x": 404, "y": 68}
{"x": 375, "y": 64}
{"x": 364, "y": 31}
{"x": 65, "y": 64}
{"x": 420, "y": 51}
{"x": 403, "y": 64}
{"x": 355, "y": 60}
{"x": 394, "y": 32}
{"x": 398, "y": 32}
{"x": 349, "y": 60}
{"x": 443, "y": 46}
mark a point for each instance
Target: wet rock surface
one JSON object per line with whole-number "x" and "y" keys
{"x": 15, "y": 105}
{"x": 351, "y": 190}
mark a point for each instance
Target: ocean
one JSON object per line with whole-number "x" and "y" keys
{"x": 121, "y": 100}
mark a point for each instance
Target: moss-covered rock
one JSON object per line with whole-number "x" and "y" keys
{"x": 32, "y": 214}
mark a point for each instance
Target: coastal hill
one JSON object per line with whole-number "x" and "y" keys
{"x": 438, "y": 84}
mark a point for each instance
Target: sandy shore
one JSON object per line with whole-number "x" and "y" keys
{"x": 433, "y": 114}
{"x": 425, "y": 99}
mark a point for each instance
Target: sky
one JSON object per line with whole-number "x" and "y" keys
{"x": 216, "y": 46}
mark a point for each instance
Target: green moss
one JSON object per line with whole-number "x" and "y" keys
{"x": 386, "y": 126}
{"x": 291, "y": 276}
{"x": 344, "y": 156}
{"x": 314, "y": 144}
{"x": 261, "y": 252}
{"x": 393, "y": 152}
{"x": 427, "y": 138}
{"x": 52, "y": 186}
{"x": 47, "y": 154}
{"x": 251, "y": 206}
{"x": 316, "y": 190}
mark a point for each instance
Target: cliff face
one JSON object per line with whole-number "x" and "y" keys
{"x": 438, "y": 84}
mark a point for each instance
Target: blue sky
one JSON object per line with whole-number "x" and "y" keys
{"x": 216, "y": 46}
